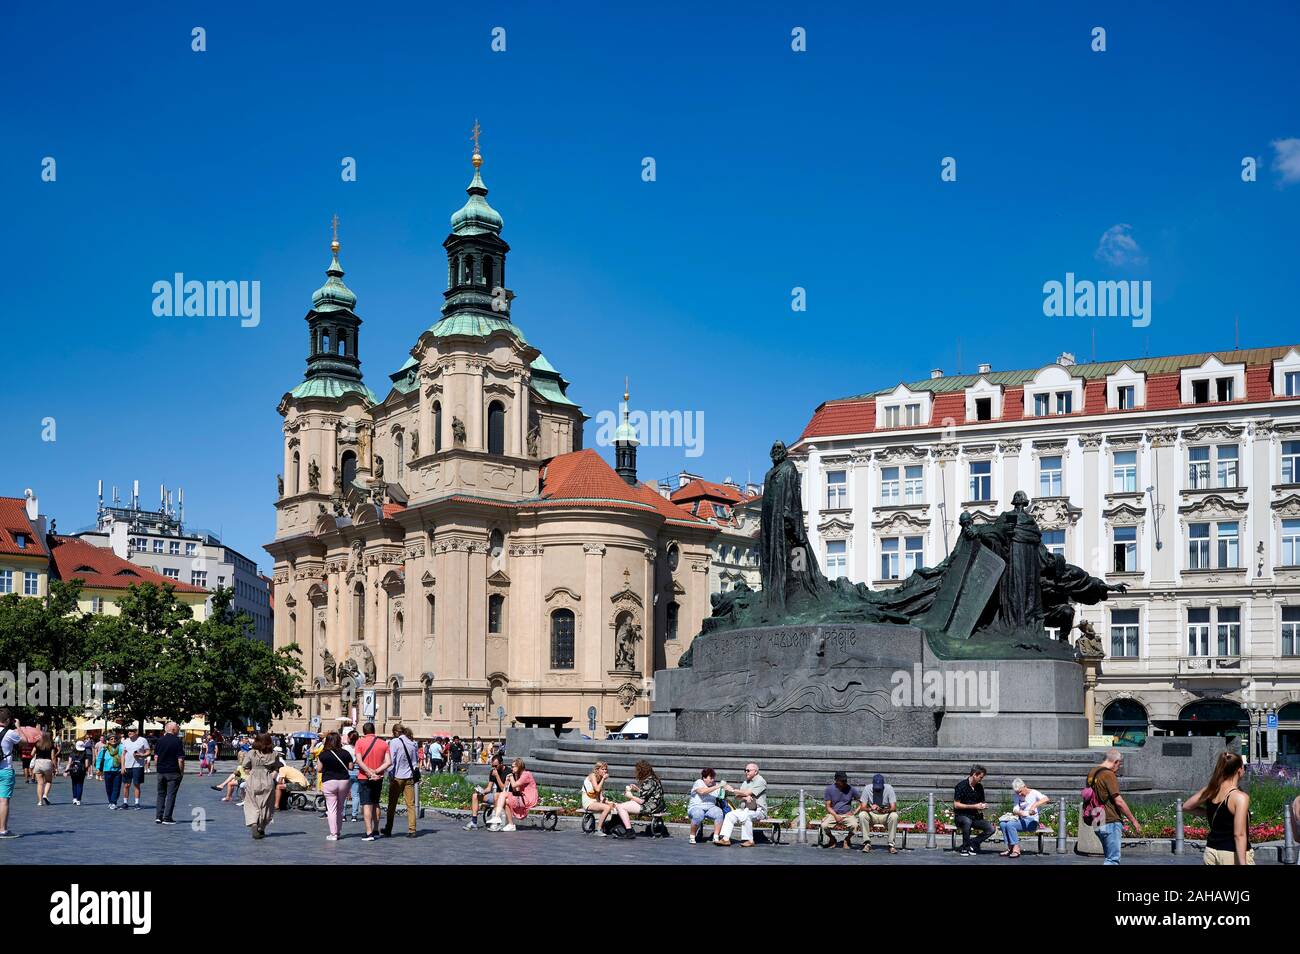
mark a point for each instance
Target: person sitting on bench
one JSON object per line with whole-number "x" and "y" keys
{"x": 968, "y": 810}
{"x": 1024, "y": 811}
{"x": 839, "y": 797}
{"x": 520, "y": 794}
{"x": 496, "y": 784}
{"x": 753, "y": 807}
{"x": 704, "y": 803}
{"x": 879, "y": 807}
{"x": 645, "y": 796}
{"x": 593, "y": 797}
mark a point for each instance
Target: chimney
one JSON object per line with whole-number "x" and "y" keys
{"x": 985, "y": 368}
{"x": 753, "y": 489}
{"x": 33, "y": 506}
{"x": 1065, "y": 359}
{"x": 936, "y": 372}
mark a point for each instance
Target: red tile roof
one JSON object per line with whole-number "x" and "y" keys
{"x": 13, "y": 521}
{"x": 583, "y": 478}
{"x": 699, "y": 488}
{"x": 101, "y": 568}
{"x": 857, "y": 415}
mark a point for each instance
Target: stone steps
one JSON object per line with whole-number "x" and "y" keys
{"x": 788, "y": 768}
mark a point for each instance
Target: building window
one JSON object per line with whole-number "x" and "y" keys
{"x": 487, "y": 270}
{"x": 349, "y": 463}
{"x": 913, "y": 554}
{"x": 671, "y": 616}
{"x": 837, "y": 490}
{"x": 496, "y": 603}
{"x": 913, "y": 415}
{"x": 562, "y": 639}
{"x": 981, "y": 480}
{"x": 174, "y": 547}
{"x": 914, "y": 484}
{"x": 889, "y": 486}
{"x": 1042, "y": 404}
{"x": 1049, "y": 477}
{"x": 901, "y": 556}
{"x": 1228, "y": 536}
{"x": 1225, "y": 535}
{"x": 1125, "y": 397}
{"x": 1291, "y": 630}
{"x": 1291, "y": 383}
{"x": 1124, "y": 472}
{"x": 1291, "y": 542}
{"x": 837, "y": 558}
{"x": 431, "y": 605}
{"x": 96, "y": 604}
{"x": 31, "y": 584}
{"x": 1124, "y": 625}
{"x": 496, "y": 433}
{"x": 157, "y": 546}
{"x": 891, "y": 416}
{"x": 889, "y": 558}
{"x": 1126, "y": 549}
{"x": 1054, "y": 540}
{"x": 396, "y": 695}
{"x": 1229, "y": 631}
{"x": 1291, "y": 462}
{"x": 984, "y": 409}
{"x": 1198, "y": 631}
{"x": 198, "y": 578}
{"x": 6, "y": 581}
{"x": 399, "y": 440}
{"x": 1064, "y": 402}
{"x": 21, "y": 540}
{"x": 437, "y": 426}
{"x": 189, "y": 549}
{"x": 172, "y": 573}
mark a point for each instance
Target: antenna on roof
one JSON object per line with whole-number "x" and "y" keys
{"x": 1236, "y": 332}
{"x": 1094, "y": 345}
{"x": 959, "y": 356}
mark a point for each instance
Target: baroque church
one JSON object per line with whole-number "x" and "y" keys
{"x": 450, "y": 545}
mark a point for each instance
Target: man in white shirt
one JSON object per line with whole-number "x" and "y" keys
{"x": 135, "y": 751}
{"x": 753, "y": 807}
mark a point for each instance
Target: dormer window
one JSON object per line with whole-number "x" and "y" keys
{"x": 892, "y": 416}
{"x": 1125, "y": 397}
{"x": 21, "y": 540}
{"x": 983, "y": 409}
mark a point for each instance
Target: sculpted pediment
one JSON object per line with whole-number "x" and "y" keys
{"x": 1213, "y": 506}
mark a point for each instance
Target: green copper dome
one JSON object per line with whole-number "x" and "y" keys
{"x": 333, "y": 295}
{"x": 476, "y": 217}
{"x": 474, "y": 325}
{"x": 328, "y": 386}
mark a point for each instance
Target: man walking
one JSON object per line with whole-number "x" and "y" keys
{"x": 968, "y": 811}
{"x": 402, "y": 776}
{"x": 170, "y": 754}
{"x": 455, "y": 752}
{"x": 135, "y": 751}
{"x": 1104, "y": 780}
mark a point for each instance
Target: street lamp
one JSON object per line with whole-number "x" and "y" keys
{"x": 473, "y": 708}
{"x": 103, "y": 688}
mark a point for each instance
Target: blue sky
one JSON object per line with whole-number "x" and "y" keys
{"x": 775, "y": 169}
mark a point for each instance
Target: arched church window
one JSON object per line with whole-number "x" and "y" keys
{"x": 399, "y": 440}
{"x": 343, "y": 345}
{"x": 496, "y": 435}
{"x": 487, "y": 270}
{"x": 496, "y": 606}
{"x": 437, "y": 426}
{"x": 671, "y": 627}
{"x": 467, "y": 273}
{"x": 562, "y": 639}
{"x": 431, "y": 604}
{"x": 325, "y": 340}
{"x": 395, "y": 685}
{"x": 295, "y": 474}
{"x": 349, "y": 469}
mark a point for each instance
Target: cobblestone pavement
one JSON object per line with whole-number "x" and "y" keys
{"x": 210, "y": 831}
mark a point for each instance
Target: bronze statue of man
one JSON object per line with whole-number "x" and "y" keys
{"x": 787, "y": 562}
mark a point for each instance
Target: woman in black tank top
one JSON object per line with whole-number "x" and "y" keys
{"x": 1227, "y": 808}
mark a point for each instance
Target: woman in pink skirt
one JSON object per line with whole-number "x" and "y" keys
{"x": 334, "y": 766}
{"x": 519, "y": 796}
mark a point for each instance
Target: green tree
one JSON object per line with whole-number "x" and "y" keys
{"x": 243, "y": 679}
{"x": 151, "y": 648}
{"x": 46, "y": 636}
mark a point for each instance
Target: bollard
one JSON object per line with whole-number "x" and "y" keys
{"x": 1178, "y": 827}
{"x": 802, "y": 837}
{"x": 1062, "y": 820}
{"x": 930, "y": 841}
{"x": 1288, "y": 839}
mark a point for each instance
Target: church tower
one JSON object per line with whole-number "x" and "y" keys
{"x": 625, "y": 442}
{"x": 476, "y": 254}
{"x": 333, "y": 326}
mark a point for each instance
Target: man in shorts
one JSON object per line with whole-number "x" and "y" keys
{"x": 11, "y": 741}
{"x": 373, "y": 760}
{"x": 135, "y": 751}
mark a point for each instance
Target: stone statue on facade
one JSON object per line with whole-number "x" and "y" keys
{"x": 534, "y": 438}
{"x": 279, "y": 484}
{"x": 415, "y": 444}
{"x": 1089, "y": 644}
{"x": 625, "y": 650}
{"x": 379, "y": 468}
{"x": 313, "y": 475}
{"x": 329, "y": 666}
{"x": 368, "y": 664}
{"x": 458, "y": 431}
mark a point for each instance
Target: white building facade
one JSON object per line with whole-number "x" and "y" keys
{"x": 1179, "y": 476}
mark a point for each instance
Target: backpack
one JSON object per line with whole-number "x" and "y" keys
{"x": 1094, "y": 811}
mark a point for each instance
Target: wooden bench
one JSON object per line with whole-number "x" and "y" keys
{"x": 775, "y": 825}
{"x": 550, "y": 815}
{"x": 904, "y": 827}
{"x": 1041, "y": 831}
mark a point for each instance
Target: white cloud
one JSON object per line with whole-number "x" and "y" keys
{"x": 1118, "y": 247}
{"x": 1286, "y": 160}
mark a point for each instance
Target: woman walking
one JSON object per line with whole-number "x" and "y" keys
{"x": 335, "y": 767}
{"x": 260, "y": 763}
{"x": 1228, "y": 808}
{"x": 45, "y": 755}
{"x": 108, "y": 763}
{"x": 78, "y": 764}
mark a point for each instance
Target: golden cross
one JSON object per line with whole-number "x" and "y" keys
{"x": 334, "y": 223}
{"x": 477, "y": 129}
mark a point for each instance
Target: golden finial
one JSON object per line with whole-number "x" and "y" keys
{"x": 478, "y": 158}
{"x": 334, "y": 224}
{"x": 625, "y": 390}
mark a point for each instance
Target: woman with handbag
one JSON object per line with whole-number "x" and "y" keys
{"x": 261, "y": 762}
{"x": 1228, "y": 808}
{"x": 335, "y": 766}
{"x": 109, "y": 765}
